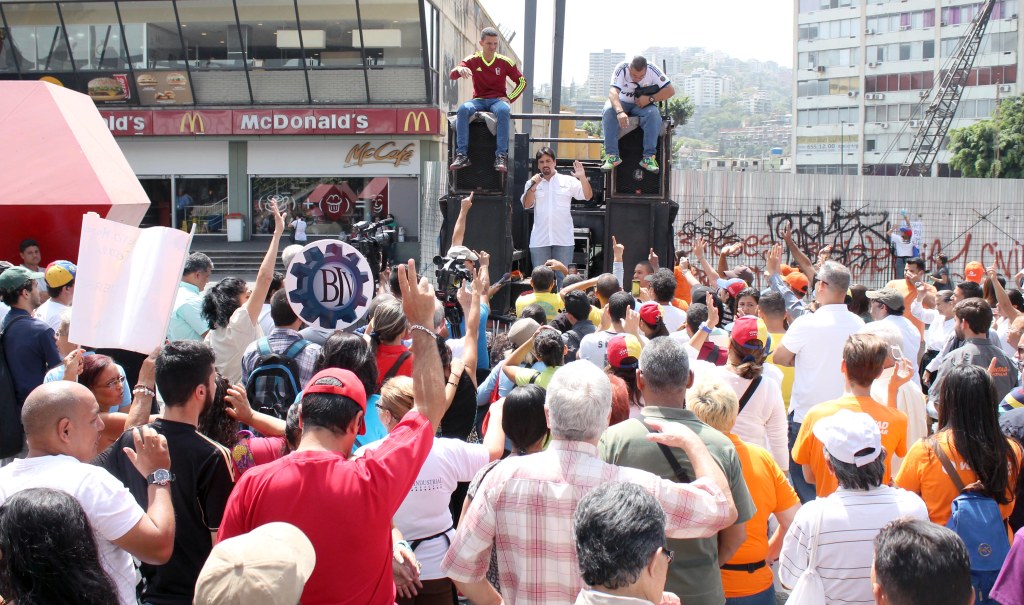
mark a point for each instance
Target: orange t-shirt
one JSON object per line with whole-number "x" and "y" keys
{"x": 892, "y": 423}
{"x": 682, "y": 287}
{"x": 771, "y": 493}
{"x": 922, "y": 473}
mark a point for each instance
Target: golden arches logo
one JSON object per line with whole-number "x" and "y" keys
{"x": 417, "y": 117}
{"x": 192, "y": 120}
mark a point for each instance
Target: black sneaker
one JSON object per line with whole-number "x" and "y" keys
{"x": 461, "y": 161}
{"x": 501, "y": 163}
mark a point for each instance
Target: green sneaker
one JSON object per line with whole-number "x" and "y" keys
{"x": 650, "y": 164}
{"x": 610, "y": 161}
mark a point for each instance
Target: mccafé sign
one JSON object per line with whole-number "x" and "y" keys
{"x": 385, "y": 153}
{"x": 264, "y": 122}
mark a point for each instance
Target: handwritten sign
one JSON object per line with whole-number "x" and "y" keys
{"x": 126, "y": 283}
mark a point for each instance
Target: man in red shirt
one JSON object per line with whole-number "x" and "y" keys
{"x": 345, "y": 506}
{"x": 489, "y": 70}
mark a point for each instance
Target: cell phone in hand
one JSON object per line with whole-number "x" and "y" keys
{"x": 897, "y": 353}
{"x": 636, "y": 287}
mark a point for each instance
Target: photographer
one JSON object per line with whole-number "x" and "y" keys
{"x": 636, "y": 87}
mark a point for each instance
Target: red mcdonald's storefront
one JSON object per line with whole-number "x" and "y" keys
{"x": 201, "y": 165}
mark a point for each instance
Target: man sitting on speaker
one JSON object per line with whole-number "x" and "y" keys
{"x": 489, "y": 70}
{"x": 636, "y": 88}
{"x": 550, "y": 194}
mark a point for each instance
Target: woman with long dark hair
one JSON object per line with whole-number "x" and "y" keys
{"x": 233, "y": 310}
{"x": 48, "y": 553}
{"x": 969, "y": 436}
{"x": 548, "y": 348}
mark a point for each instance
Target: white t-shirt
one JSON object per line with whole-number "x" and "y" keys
{"x": 229, "y": 343}
{"x": 109, "y": 506}
{"x": 902, "y": 248}
{"x": 674, "y": 317}
{"x": 300, "y": 229}
{"x": 763, "y": 420}
{"x": 627, "y": 87}
{"x": 849, "y": 524}
{"x": 266, "y": 321}
{"x": 817, "y": 340}
{"x": 49, "y": 313}
{"x": 594, "y": 347}
{"x": 552, "y": 218}
{"x": 425, "y": 512}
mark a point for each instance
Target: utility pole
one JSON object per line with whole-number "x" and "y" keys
{"x": 556, "y": 68}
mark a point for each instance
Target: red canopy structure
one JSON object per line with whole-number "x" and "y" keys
{"x": 59, "y": 162}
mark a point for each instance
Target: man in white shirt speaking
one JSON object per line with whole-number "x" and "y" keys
{"x": 550, "y": 194}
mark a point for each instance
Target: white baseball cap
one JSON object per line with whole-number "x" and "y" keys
{"x": 846, "y": 434}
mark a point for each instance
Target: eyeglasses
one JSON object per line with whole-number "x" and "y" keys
{"x": 382, "y": 409}
{"x": 668, "y": 554}
{"x": 115, "y": 383}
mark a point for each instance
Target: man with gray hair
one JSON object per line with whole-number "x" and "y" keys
{"x": 523, "y": 507}
{"x": 813, "y": 346}
{"x": 663, "y": 376}
{"x": 620, "y": 544}
{"x": 187, "y": 321}
{"x": 841, "y": 527}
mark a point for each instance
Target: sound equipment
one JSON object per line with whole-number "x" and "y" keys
{"x": 640, "y": 225}
{"x": 488, "y": 227}
{"x": 595, "y": 176}
{"x": 480, "y": 176}
{"x": 629, "y": 179}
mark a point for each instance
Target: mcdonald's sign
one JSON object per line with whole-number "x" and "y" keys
{"x": 418, "y": 121}
{"x": 194, "y": 121}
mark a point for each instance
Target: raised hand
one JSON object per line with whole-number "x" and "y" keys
{"x": 712, "y": 310}
{"x": 150, "y": 451}
{"x": 617, "y": 250}
{"x": 578, "y": 171}
{"x": 698, "y": 247}
{"x": 417, "y": 295}
{"x": 773, "y": 260}
{"x": 467, "y": 203}
{"x": 652, "y": 257}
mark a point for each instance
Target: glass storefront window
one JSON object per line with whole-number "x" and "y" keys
{"x": 211, "y": 34}
{"x": 270, "y": 34}
{"x": 37, "y": 37}
{"x": 152, "y": 35}
{"x": 330, "y": 33}
{"x": 95, "y": 36}
{"x": 330, "y": 205}
{"x": 391, "y": 32}
{"x": 202, "y": 202}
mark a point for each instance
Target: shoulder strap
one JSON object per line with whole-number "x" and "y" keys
{"x": 263, "y": 346}
{"x": 751, "y": 389}
{"x": 535, "y": 376}
{"x": 14, "y": 320}
{"x": 812, "y": 559}
{"x": 296, "y": 347}
{"x": 398, "y": 364}
{"x": 681, "y": 475}
{"x": 947, "y": 464}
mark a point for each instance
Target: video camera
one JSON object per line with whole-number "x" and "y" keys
{"x": 374, "y": 240}
{"x": 452, "y": 273}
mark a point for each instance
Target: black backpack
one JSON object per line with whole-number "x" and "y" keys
{"x": 12, "y": 435}
{"x": 274, "y": 383}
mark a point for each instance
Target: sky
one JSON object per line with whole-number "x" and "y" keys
{"x": 745, "y": 29}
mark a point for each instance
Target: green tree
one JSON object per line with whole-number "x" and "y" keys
{"x": 973, "y": 148}
{"x": 592, "y": 128}
{"x": 680, "y": 108}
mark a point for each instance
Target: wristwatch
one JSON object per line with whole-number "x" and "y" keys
{"x": 650, "y": 99}
{"x": 160, "y": 476}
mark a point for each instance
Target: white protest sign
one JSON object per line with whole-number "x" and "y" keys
{"x": 125, "y": 285}
{"x": 329, "y": 284}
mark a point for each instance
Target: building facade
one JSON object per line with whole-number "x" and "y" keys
{"x": 333, "y": 109}
{"x": 706, "y": 87}
{"x": 600, "y": 73}
{"x": 865, "y": 69}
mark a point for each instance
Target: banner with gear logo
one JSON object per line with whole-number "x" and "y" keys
{"x": 329, "y": 284}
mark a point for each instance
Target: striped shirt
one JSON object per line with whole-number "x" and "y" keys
{"x": 850, "y": 521}
{"x": 279, "y": 340}
{"x": 524, "y": 508}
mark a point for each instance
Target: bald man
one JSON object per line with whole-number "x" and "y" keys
{"x": 62, "y": 427}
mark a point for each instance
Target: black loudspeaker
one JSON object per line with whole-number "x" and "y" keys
{"x": 629, "y": 179}
{"x": 488, "y": 227}
{"x": 594, "y": 221}
{"x": 594, "y": 174}
{"x": 480, "y": 176}
{"x": 640, "y": 225}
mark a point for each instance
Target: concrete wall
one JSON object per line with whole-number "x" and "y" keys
{"x": 965, "y": 219}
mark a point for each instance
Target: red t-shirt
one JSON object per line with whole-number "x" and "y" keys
{"x": 343, "y": 506}
{"x": 387, "y": 356}
{"x": 489, "y": 78}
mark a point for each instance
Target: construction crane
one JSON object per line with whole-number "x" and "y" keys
{"x": 939, "y": 114}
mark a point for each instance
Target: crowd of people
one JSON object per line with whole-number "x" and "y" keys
{"x": 720, "y": 434}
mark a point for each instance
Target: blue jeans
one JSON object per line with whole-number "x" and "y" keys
{"x": 501, "y": 112}
{"x": 650, "y": 122}
{"x": 563, "y": 254}
{"x": 803, "y": 489}
{"x": 766, "y": 597}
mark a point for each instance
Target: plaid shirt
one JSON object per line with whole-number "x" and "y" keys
{"x": 280, "y": 339}
{"x": 525, "y": 507}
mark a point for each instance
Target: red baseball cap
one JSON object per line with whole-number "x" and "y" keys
{"x": 748, "y": 328}
{"x": 350, "y": 387}
{"x": 650, "y": 313}
{"x": 624, "y": 351}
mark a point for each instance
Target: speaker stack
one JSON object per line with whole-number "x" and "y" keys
{"x": 489, "y": 223}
